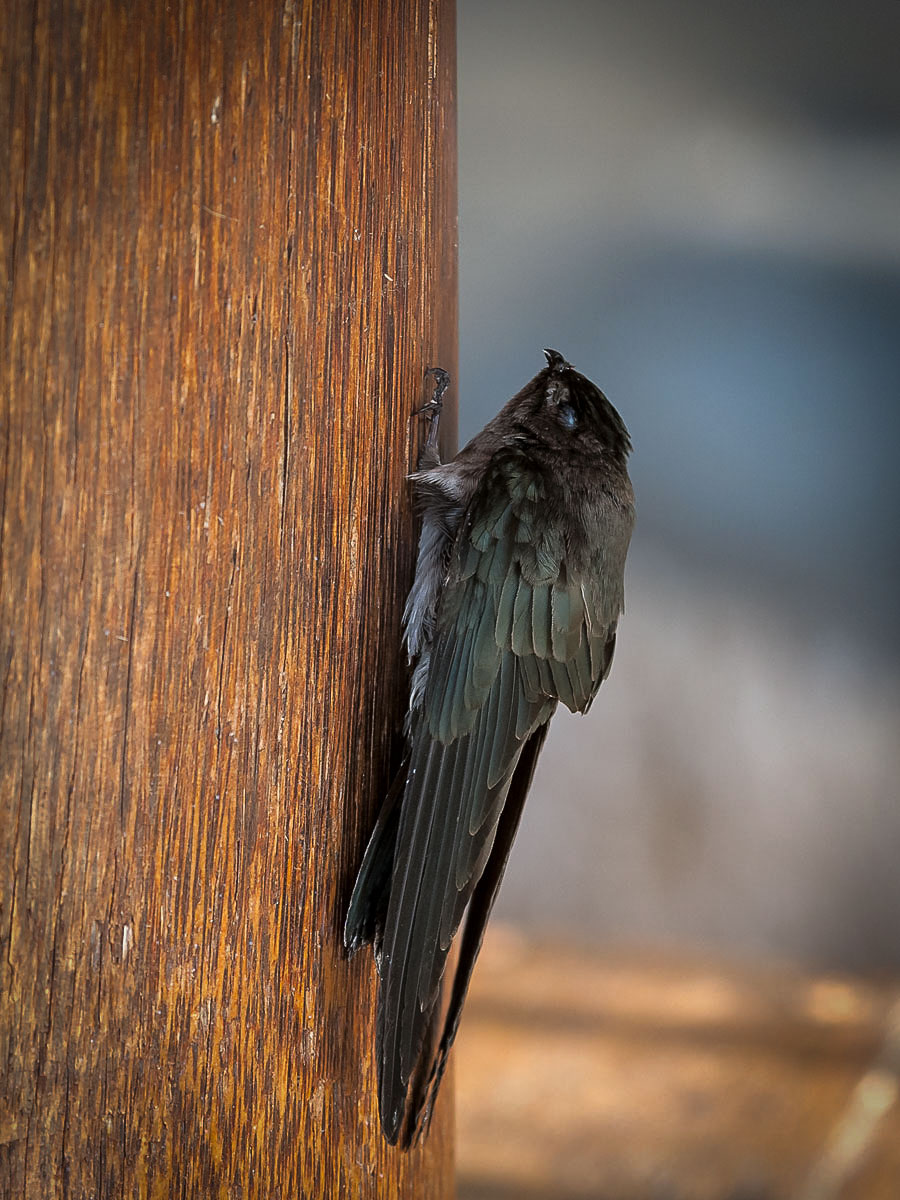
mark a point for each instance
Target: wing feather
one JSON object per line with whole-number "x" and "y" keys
{"x": 521, "y": 635}
{"x": 505, "y": 740}
{"x": 559, "y": 597}
{"x": 426, "y": 963}
{"x": 543, "y": 622}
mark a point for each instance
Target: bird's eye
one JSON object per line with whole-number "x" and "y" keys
{"x": 567, "y": 416}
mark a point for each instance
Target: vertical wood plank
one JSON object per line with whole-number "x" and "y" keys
{"x": 228, "y": 254}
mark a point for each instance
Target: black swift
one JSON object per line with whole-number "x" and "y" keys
{"x": 514, "y": 607}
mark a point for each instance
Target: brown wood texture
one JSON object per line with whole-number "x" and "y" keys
{"x": 228, "y": 251}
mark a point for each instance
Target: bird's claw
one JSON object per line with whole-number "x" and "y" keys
{"x": 441, "y": 383}
{"x": 432, "y": 410}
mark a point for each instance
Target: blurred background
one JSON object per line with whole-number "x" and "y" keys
{"x": 699, "y": 205}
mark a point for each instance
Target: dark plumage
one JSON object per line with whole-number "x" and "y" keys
{"x": 514, "y": 606}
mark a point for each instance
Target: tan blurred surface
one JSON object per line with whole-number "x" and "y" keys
{"x": 639, "y": 1078}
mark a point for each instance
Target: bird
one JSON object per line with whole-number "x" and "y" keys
{"x": 513, "y": 609}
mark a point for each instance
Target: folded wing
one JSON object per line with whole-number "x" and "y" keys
{"x": 516, "y": 632}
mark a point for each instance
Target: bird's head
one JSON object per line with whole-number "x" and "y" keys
{"x": 566, "y": 406}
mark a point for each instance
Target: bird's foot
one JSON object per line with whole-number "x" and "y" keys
{"x": 432, "y": 411}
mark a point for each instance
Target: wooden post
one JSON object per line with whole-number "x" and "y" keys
{"x": 228, "y": 254}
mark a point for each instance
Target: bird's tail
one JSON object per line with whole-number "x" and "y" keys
{"x": 367, "y": 909}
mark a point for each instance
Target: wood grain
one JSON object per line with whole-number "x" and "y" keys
{"x": 228, "y": 254}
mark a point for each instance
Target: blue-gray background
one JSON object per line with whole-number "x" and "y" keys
{"x": 699, "y": 205}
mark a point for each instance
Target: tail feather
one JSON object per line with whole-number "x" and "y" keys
{"x": 367, "y": 909}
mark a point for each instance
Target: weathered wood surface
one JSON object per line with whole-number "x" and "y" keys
{"x": 228, "y": 254}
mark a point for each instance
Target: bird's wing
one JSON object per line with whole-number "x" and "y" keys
{"x": 479, "y": 910}
{"x": 515, "y": 632}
